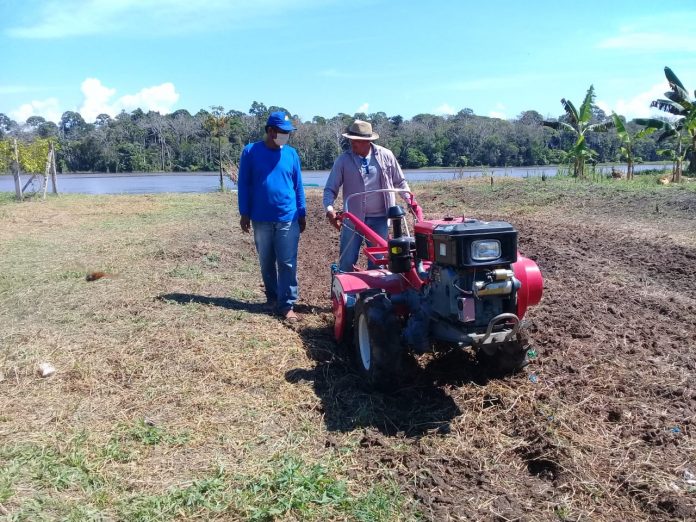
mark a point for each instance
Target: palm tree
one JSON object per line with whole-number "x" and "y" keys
{"x": 683, "y": 128}
{"x": 579, "y": 123}
{"x": 627, "y": 142}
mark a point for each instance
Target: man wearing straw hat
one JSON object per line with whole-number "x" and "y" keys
{"x": 366, "y": 166}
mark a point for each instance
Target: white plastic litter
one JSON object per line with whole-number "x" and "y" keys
{"x": 46, "y": 369}
{"x": 689, "y": 478}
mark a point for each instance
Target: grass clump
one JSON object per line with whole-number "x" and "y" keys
{"x": 49, "y": 467}
{"x": 290, "y": 489}
{"x": 149, "y": 434}
{"x": 293, "y": 487}
{"x": 204, "y": 496}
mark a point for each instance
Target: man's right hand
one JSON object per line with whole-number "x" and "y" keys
{"x": 245, "y": 223}
{"x": 333, "y": 219}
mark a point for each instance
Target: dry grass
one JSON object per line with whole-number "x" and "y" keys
{"x": 171, "y": 348}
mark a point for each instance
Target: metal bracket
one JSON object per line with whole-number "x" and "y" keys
{"x": 498, "y": 337}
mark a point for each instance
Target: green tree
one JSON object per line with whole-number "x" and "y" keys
{"x": 682, "y": 129}
{"x": 259, "y": 110}
{"x": 7, "y": 125}
{"x": 415, "y": 159}
{"x": 72, "y": 125}
{"x": 580, "y": 124}
{"x": 530, "y": 118}
{"x": 217, "y": 123}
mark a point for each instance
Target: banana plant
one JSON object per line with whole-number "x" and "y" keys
{"x": 628, "y": 141}
{"x": 682, "y": 128}
{"x": 579, "y": 123}
{"x": 669, "y": 130}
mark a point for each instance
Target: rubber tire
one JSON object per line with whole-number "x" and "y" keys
{"x": 378, "y": 352}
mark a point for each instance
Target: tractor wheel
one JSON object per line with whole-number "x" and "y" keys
{"x": 506, "y": 359}
{"x": 378, "y": 351}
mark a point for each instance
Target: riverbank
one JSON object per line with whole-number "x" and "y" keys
{"x": 159, "y": 182}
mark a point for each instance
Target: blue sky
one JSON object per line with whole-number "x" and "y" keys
{"x": 324, "y": 57}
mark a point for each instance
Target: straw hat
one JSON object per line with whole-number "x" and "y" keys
{"x": 360, "y": 130}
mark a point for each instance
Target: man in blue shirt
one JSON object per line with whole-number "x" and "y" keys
{"x": 272, "y": 202}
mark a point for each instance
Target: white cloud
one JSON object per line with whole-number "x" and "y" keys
{"x": 71, "y": 18}
{"x": 98, "y": 100}
{"x": 498, "y": 111}
{"x": 638, "y": 106}
{"x": 363, "y": 108}
{"x": 16, "y": 89}
{"x": 650, "y": 41}
{"x": 160, "y": 98}
{"x": 48, "y": 109}
{"x": 58, "y": 19}
{"x": 445, "y": 108}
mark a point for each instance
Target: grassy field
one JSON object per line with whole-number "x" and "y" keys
{"x": 169, "y": 398}
{"x": 173, "y": 396}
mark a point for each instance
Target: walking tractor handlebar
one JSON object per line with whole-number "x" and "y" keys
{"x": 377, "y": 254}
{"x": 409, "y": 196}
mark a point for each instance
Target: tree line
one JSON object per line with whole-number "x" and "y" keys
{"x": 183, "y": 142}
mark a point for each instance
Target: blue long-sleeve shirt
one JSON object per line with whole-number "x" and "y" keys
{"x": 269, "y": 187}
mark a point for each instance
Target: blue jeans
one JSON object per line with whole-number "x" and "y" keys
{"x": 351, "y": 241}
{"x": 276, "y": 244}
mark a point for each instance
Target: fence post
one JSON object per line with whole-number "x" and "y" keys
{"x": 15, "y": 172}
{"x": 54, "y": 177}
{"x": 44, "y": 186}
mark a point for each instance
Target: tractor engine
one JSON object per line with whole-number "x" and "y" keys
{"x": 457, "y": 282}
{"x": 470, "y": 278}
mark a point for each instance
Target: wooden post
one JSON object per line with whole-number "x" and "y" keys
{"x": 222, "y": 184}
{"x": 15, "y": 172}
{"x": 24, "y": 188}
{"x": 54, "y": 176}
{"x": 46, "y": 171}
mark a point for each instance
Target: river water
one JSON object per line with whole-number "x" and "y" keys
{"x": 151, "y": 183}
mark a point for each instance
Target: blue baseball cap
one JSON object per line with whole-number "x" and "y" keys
{"x": 281, "y": 121}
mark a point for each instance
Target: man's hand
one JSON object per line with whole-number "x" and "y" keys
{"x": 333, "y": 219}
{"x": 415, "y": 207}
{"x": 245, "y": 223}
{"x": 302, "y": 221}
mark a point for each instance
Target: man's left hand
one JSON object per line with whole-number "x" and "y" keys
{"x": 303, "y": 223}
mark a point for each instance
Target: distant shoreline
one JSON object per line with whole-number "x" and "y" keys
{"x": 319, "y": 172}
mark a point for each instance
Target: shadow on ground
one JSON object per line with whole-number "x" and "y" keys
{"x": 234, "y": 304}
{"x": 224, "y": 302}
{"x": 419, "y": 405}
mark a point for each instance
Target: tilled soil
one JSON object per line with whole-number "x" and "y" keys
{"x": 600, "y": 426}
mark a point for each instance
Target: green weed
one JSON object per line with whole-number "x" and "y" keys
{"x": 212, "y": 259}
{"x": 49, "y": 467}
{"x": 204, "y": 495}
{"x": 292, "y": 488}
{"x": 186, "y": 272}
{"x": 150, "y": 434}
